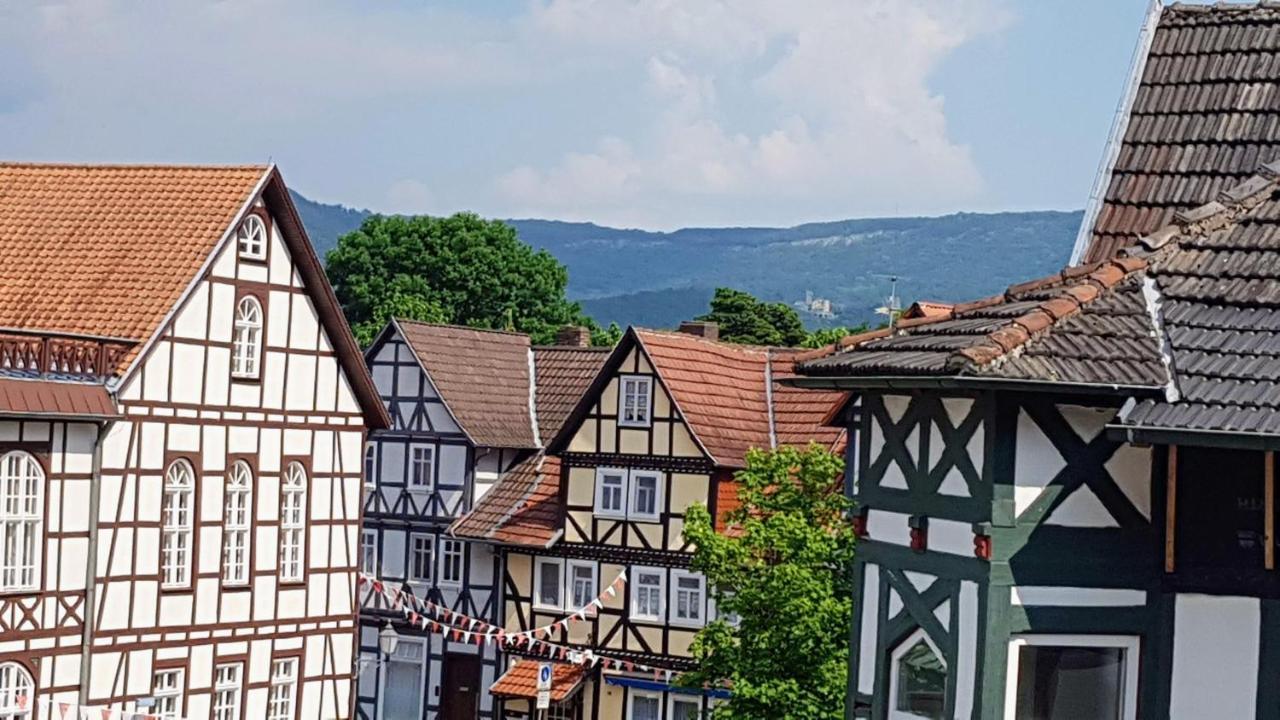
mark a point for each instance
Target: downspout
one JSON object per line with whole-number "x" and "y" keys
{"x": 91, "y": 564}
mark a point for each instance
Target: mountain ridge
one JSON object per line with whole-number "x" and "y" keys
{"x": 657, "y": 278}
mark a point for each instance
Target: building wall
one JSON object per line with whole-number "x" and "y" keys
{"x": 396, "y": 513}
{"x": 181, "y": 402}
{"x": 42, "y": 631}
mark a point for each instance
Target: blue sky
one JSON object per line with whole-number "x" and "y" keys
{"x": 646, "y": 113}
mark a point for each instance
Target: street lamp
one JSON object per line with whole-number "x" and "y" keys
{"x": 388, "y": 639}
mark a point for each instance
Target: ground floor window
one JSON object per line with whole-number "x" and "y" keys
{"x": 167, "y": 690}
{"x": 1056, "y": 677}
{"x": 404, "y": 681}
{"x": 226, "y": 691}
{"x": 917, "y": 679}
{"x": 284, "y": 689}
{"x": 684, "y": 708}
{"x": 644, "y": 706}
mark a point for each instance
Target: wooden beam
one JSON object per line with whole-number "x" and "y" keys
{"x": 1170, "y": 507}
{"x": 1269, "y": 497}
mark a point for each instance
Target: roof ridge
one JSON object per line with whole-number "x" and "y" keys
{"x": 37, "y": 164}
{"x": 455, "y": 326}
{"x": 762, "y": 349}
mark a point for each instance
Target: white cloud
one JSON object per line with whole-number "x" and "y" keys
{"x": 839, "y": 116}
{"x": 656, "y": 113}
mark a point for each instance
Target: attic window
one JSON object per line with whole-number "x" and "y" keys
{"x": 635, "y": 400}
{"x": 251, "y": 238}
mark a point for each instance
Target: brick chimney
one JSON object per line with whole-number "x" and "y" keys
{"x": 701, "y": 328}
{"x": 573, "y": 336}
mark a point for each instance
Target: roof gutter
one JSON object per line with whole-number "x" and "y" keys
{"x": 1151, "y": 435}
{"x": 1119, "y": 126}
{"x": 962, "y": 382}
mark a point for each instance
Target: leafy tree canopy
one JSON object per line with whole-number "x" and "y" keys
{"x": 786, "y": 576}
{"x": 747, "y": 320}
{"x": 826, "y": 336}
{"x": 460, "y": 269}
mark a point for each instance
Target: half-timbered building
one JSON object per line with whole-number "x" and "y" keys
{"x": 663, "y": 424}
{"x": 468, "y": 406}
{"x": 182, "y": 416}
{"x": 1067, "y": 490}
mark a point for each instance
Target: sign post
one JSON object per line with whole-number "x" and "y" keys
{"x": 544, "y": 686}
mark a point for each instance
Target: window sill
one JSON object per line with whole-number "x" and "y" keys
{"x": 687, "y": 624}
{"x": 646, "y": 519}
{"x": 21, "y": 592}
{"x": 548, "y": 608}
{"x": 256, "y": 260}
{"x": 247, "y": 379}
{"x": 175, "y": 589}
{"x": 634, "y": 424}
{"x": 609, "y": 515}
{"x": 638, "y": 620}
{"x": 236, "y": 587}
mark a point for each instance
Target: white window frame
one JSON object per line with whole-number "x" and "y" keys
{"x": 902, "y": 649}
{"x": 632, "y": 512}
{"x": 247, "y": 245}
{"x": 293, "y": 523}
{"x": 634, "y": 582}
{"x": 237, "y": 524}
{"x": 570, "y": 579}
{"x": 370, "y": 465}
{"x": 369, "y": 552}
{"x": 246, "y": 345}
{"x": 647, "y": 694}
{"x": 15, "y": 681}
{"x": 220, "y": 710}
{"x": 1130, "y": 644}
{"x": 622, "y": 475}
{"x": 443, "y": 550}
{"x": 674, "y": 697}
{"x": 647, "y": 382}
{"x": 410, "y": 480}
{"x": 177, "y": 524}
{"x": 674, "y": 606}
{"x": 540, "y": 602}
{"x": 414, "y": 578}
{"x": 22, "y": 485}
{"x": 282, "y": 698}
{"x": 169, "y": 696}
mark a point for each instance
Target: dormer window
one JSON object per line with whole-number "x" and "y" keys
{"x": 251, "y": 238}
{"x": 635, "y": 400}
{"x": 247, "y": 345}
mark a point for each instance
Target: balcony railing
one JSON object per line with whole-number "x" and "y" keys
{"x": 59, "y": 355}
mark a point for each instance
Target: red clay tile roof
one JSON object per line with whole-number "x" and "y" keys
{"x": 521, "y": 680}
{"x": 562, "y": 374}
{"x": 723, "y": 393}
{"x": 926, "y": 308}
{"x": 521, "y": 509}
{"x": 108, "y": 250}
{"x": 483, "y": 376}
{"x": 1203, "y": 117}
{"x": 48, "y": 398}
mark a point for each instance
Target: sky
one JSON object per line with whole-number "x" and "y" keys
{"x": 656, "y": 114}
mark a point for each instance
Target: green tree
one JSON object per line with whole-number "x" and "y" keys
{"x": 459, "y": 269}
{"x": 745, "y": 319}
{"x": 786, "y": 576}
{"x": 826, "y": 336}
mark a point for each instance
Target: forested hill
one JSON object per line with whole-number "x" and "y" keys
{"x": 657, "y": 279}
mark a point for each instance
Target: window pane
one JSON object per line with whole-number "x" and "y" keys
{"x": 644, "y": 707}
{"x": 549, "y": 584}
{"x": 403, "y": 688}
{"x": 684, "y": 710}
{"x": 1057, "y": 683}
{"x": 922, "y": 682}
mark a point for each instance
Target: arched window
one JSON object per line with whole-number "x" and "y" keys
{"x": 251, "y": 238}
{"x": 247, "y": 349}
{"x": 235, "y": 524}
{"x": 17, "y": 692}
{"x": 176, "y": 524}
{"x": 293, "y": 522}
{"x": 21, "y": 512}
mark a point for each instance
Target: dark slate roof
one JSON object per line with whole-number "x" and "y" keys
{"x": 562, "y": 373}
{"x": 1085, "y": 325}
{"x": 483, "y": 377}
{"x": 1206, "y": 113}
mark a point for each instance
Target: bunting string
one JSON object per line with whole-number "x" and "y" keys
{"x": 437, "y": 618}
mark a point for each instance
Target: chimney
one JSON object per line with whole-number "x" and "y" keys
{"x": 701, "y": 328}
{"x": 573, "y": 336}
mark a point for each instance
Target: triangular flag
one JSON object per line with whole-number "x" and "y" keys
{"x": 612, "y": 592}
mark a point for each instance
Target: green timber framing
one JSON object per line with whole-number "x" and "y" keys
{"x": 1024, "y": 550}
